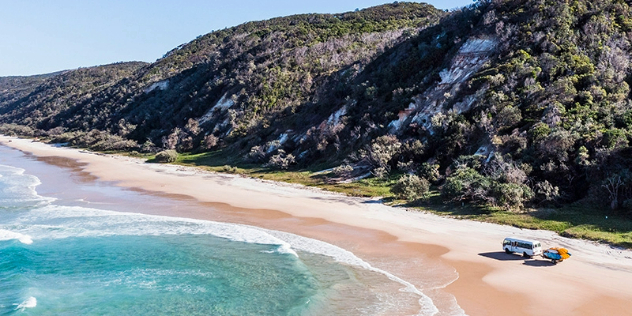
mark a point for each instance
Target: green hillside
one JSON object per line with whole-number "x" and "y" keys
{"x": 504, "y": 104}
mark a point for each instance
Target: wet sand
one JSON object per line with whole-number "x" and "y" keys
{"x": 445, "y": 258}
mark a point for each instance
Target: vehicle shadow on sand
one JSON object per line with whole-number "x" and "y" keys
{"x": 539, "y": 263}
{"x": 501, "y": 255}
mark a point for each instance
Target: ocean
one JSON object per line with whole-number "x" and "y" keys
{"x": 63, "y": 254}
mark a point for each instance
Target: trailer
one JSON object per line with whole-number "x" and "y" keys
{"x": 556, "y": 254}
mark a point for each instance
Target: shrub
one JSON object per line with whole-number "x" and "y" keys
{"x": 510, "y": 195}
{"x": 466, "y": 184}
{"x": 411, "y": 187}
{"x": 96, "y": 140}
{"x": 413, "y": 150}
{"x": 281, "y": 160}
{"x": 256, "y": 154}
{"x": 508, "y": 116}
{"x": 557, "y": 144}
{"x": 614, "y": 138}
{"x": 539, "y": 131}
{"x": 229, "y": 169}
{"x": 506, "y": 171}
{"x": 210, "y": 141}
{"x": 14, "y": 129}
{"x": 545, "y": 191}
{"x": 382, "y": 154}
{"x": 583, "y": 156}
{"x": 185, "y": 144}
{"x": 407, "y": 167}
{"x": 148, "y": 147}
{"x": 113, "y": 142}
{"x": 381, "y": 172}
{"x": 343, "y": 170}
{"x": 167, "y": 156}
{"x": 430, "y": 172}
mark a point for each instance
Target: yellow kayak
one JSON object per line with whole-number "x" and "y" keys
{"x": 556, "y": 254}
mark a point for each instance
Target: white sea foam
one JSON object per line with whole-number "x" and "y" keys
{"x": 9, "y": 235}
{"x": 18, "y": 189}
{"x": 28, "y": 303}
{"x": 347, "y": 257}
{"x": 56, "y": 222}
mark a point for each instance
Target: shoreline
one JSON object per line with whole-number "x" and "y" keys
{"x": 594, "y": 281}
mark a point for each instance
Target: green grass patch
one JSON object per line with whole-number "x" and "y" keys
{"x": 577, "y": 221}
{"x": 592, "y": 232}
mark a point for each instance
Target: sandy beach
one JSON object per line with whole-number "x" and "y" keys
{"x": 463, "y": 259}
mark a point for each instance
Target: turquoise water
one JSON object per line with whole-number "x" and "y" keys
{"x": 60, "y": 259}
{"x": 193, "y": 275}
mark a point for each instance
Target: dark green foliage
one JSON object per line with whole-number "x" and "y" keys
{"x": 48, "y": 101}
{"x": 277, "y": 70}
{"x": 466, "y": 184}
{"x": 615, "y": 138}
{"x": 430, "y": 172}
{"x": 411, "y": 187}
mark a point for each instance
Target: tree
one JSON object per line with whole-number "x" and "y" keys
{"x": 381, "y": 153}
{"x": 612, "y": 184}
{"x": 466, "y": 184}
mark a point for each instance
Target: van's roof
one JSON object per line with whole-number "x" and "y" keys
{"x": 525, "y": 240}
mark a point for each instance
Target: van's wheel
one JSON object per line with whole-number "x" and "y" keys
{"x": 554, "y": 261}
{"x": 524, "y": 254}
{"x": 507, "y": 251}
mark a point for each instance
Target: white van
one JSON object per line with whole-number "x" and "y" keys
{"x": 528, "y": 248}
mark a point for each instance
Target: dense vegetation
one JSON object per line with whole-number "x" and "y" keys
{"x": 268, "y": 70}
{"x": 502, "y": 103}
